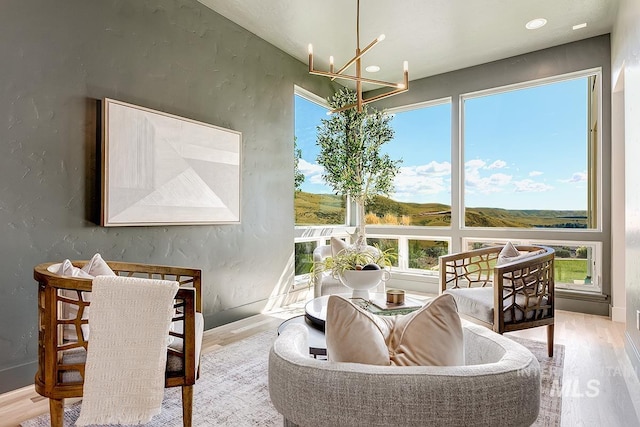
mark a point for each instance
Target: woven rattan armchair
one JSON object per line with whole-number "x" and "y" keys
{"x": 508, "y": 297}
{"x": 61, "y": 361}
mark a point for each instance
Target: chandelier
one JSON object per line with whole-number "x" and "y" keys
{"x": 340, "y": 74}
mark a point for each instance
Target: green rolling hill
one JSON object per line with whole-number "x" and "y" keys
{"x": 329, "y": 209}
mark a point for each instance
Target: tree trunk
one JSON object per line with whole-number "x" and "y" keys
{"x": 360, "y": 236}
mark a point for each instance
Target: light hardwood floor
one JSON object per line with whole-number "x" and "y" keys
{"x": 601, "y": 388}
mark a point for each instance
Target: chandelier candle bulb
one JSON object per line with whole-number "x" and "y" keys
{"x": 331, "y": 63}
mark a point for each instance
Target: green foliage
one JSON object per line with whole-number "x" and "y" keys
{"x": 425, "y": 254}
{"x": 568, "y": 270}
{"x": 582, "y": 252}
{"x": 350, "y": 143}
{"x": 563, "y": 253}
{"x": 315, "y": 209}
{"x": 304, "y": 257}
{"x": 298, "y": 177}
{"x": 352, "y": 259}
{"x": 386, "y": 246}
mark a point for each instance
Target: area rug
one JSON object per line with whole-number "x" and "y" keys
{"x": 550, "y": 378}
{"x": 233, "y": 389}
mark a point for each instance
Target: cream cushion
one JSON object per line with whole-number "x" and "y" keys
{"x": 337, "y": 245}
{"x": 95, "y": 267}
{"x": 430, "y": 336}
{"x": 510, "y": 254}
{"x": 98, "y": 267}
{"x": 67, "y": 269}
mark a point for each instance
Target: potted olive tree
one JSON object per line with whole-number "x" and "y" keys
{"x": 350, "y": 152}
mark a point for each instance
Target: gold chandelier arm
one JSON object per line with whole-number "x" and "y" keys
{"x": 372, "y": 99}
{"x": 362, "y": 52}
{"x": 396, "y": 87}
{"x": 354, "y": 78}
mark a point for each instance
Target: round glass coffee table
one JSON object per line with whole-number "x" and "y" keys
{"x": 317, "y": 342}
{"x": 315, "y": 311}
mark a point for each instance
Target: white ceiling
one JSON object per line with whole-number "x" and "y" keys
{"x": 435, "y": 36}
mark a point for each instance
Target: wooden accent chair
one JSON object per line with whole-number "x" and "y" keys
{"x": 508, "y": 297}
{"x": 61, "y": 361}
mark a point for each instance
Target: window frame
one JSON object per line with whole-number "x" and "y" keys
{"x": 457, "y": 234}
{"x": 596, "y": 257}
{"x": 592, "y": 166}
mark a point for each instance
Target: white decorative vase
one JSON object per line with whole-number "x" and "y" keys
{"x": 361, "y": 281}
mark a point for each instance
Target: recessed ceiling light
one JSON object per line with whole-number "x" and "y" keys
{"x": 577, "y": 27}
{"x": 373, "y": 68}
{"x": 534, "y": 24}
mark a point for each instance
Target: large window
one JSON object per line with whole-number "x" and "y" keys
{"x": 519, "y": 163}
{"x": 422, "y": 195}
{"x": 314, "y": 203}
{"x": 527, "y": 157}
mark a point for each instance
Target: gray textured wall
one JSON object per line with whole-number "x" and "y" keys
{"x": 58, "y": 58}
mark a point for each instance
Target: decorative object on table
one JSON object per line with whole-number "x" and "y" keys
{"x": 160, "y": 169}
{"x": 61, "y": 362}
{"x": 499, "y": 385}
{"x": 396, "y": 88}
{"x": 503, "y": 288}
{"x": 395, "y": 296}
{"x": 322, "y": 279}
{"x": 358, "y": 268}
{"x": 350, "y": 144}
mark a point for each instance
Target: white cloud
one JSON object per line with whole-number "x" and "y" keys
{"x": 498, "y": 164}
{"x": 476, "y": 183}
{"x": 413, "y": 181}
{"x": 535, "y": 173}
{"x": 474, "y": 164}
{"x": 312, "y": 172}
{"x": 309, "y": 168}
{"x": 531, "y": 186}
{"x": 577, "y": 177}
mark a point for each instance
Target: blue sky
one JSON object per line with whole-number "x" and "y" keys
{"x": 524, "y": 149}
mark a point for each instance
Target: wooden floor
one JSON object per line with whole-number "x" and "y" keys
{"x": 601, "y": 388}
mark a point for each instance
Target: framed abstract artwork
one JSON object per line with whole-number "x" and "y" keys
{"x": 161, "y": 169}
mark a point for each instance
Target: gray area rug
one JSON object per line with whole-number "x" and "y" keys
{"x": 233, "y": 389}
{"x": 551, "y": 380}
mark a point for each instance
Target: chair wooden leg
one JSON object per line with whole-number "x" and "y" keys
{"x": 550, "y": 340}
{"x": 56, "y": 410}
{"x": 187, "y": 405}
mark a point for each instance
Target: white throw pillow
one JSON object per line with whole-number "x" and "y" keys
{"x": 509, "y": 254}
{"x": 69, "y": 270}
{"x": 337, "y": 245}
{"x": 430, "y": 336}
{"x": 98, "y": 267}
{"x": 68, "y": 310}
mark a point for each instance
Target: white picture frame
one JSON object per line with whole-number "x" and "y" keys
{"x": 161, "y": 169}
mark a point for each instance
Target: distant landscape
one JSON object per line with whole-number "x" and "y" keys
{"x": 329, "y": 209}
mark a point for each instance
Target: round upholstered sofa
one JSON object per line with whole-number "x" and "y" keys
{"x": 498, "y": 386}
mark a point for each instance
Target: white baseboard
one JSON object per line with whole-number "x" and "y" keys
{"x": 619, "y": 314}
